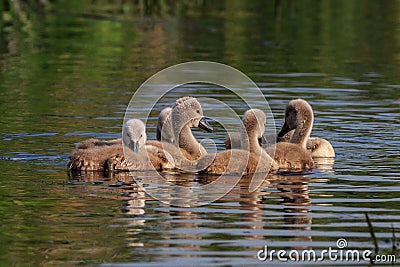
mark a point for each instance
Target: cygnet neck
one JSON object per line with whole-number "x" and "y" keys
{"x": 188, "y": 142}
{"x": 303, "y": 130}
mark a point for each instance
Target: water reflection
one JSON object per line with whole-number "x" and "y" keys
{"x": 324, "y": 165}
{"x": 296, "y": 202}
{"x": 135, "y": 203}
{"x": 292, "y": 190}
{"x": 252, "y": 204}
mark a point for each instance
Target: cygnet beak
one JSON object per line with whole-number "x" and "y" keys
{"x": 134, "y": 145}
{"x": 203, "y": 124}
{"x": 285, "y": 129}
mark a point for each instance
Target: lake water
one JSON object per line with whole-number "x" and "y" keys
{"x": 70, "y": 68}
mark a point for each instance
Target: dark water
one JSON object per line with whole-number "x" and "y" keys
{"x": 69, "y": 69}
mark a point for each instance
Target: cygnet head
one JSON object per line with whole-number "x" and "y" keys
{"x": 187, "y": 111}
{"x": 298, "y": 115}
{"x": 134, "y": 134}
{"x": 164, "y": 126}
{"x": 254, "y": 121}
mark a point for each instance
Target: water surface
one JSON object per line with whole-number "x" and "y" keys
{"x": 69, "y": 70}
